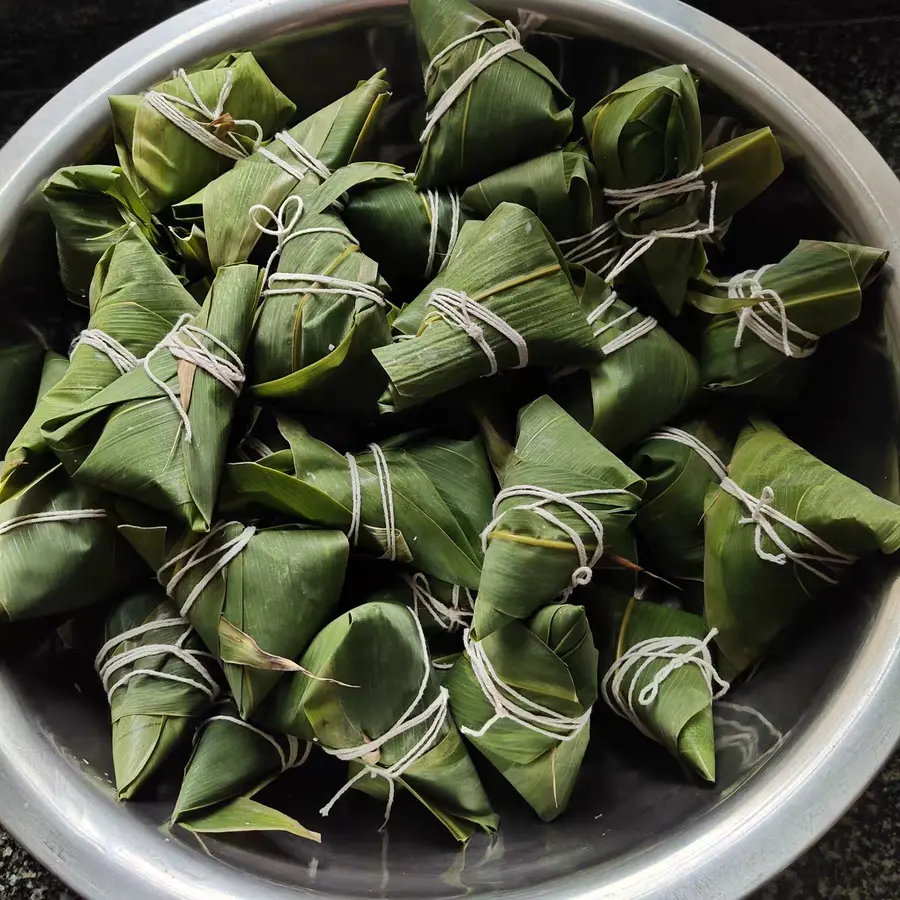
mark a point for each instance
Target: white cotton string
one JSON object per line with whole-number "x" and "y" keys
{"x": 677, "y": 651}
{"x": 433, "y": 198}
{"x": 459, "y": 310}
{"x": 459, "y": 87}
{"x": 764, "y": 516}
{"x": 303, "y": 156}
{"x": 302, "y": 283}
{"x": 194, "y": 556}
{"x": 644, "y": 327}
{"x": 600, "y": 243}
{"x": 745, "y": 737}
{"x": 120, "y": 356}
{"x": 356, "y": 494}
{"x": 387, "y": 500}
{"x": 435, "y": 714}
{"x": 54, "y": 515}
{"x": 584, "y": 573}
{"x": 508, "y": 703}
{"x": 449, "y": 618}
{"x": 694, "y": 443}
{"x": 167, "y": 105}
{"x": 771, "y": 305}
{"x": 185, "y": 341}
{"x": 285, "y": 228}
{"x": 106, "y": 668}
{"x": 529, "y": 23}
{"x": 628, "y": 199}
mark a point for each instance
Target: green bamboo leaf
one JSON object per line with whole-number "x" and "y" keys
{"x": 644, "y": 133}
{"x": 441, "y": 489}
{"x": 334, "y": 136}
{"x": 561, "y": 188}
{"x": 680, "y": 717}
{"x": 167, "y": 164}
{"x": 514, "y": 109}
{"x": 530, "y": 561}
{"x": 93, "y": 208}
{"x": 247, "y": 815}
{"x": 156, "y": 711}
{"x": 52, "y": 566}
{"x": 409, "y": 231}
{"x": 135, "y": 300}
{"x": 820, "y": 285}
{"x": 510, "y": 265}
{"x": 379, "y": 646}
{"x": 130, "y": 438}
{"x": 312, "y": 344}
{"x": 258, "y": 613}
{"x": 753, "y": 601}
{"x": 742, "y": 169}
{"x": 629, "y": 390}
{"x": 231, "y": 762}
{"x": 670, "y": 520}
{"x": 551, "y": 661}
{"x": 28, "y": 371}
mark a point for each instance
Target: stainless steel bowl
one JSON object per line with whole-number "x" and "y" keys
{"x": 636, "y": 829}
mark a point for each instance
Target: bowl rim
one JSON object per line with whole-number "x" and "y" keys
{"x": 50, "y": 805}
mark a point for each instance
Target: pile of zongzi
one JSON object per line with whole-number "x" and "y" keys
{"x": 432, "y": 472}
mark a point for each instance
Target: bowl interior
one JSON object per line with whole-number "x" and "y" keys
{"x": 632, "y": 798}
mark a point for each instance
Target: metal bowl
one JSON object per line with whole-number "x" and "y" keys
{"x": 823, "y": 715}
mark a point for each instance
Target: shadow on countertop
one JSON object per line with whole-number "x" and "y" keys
{"x": 844, "y": 49}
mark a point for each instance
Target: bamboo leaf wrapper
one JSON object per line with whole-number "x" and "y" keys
{"x": 510, "y": 266}
{"x": 381, "y": 648}
{"x": 158, "y": 433}
{"x": 755, "y": 588}
{"x": 167, "y": 163}
{"x": 766, "y": 324}
{"x": 513, "y": 109}
{"x": 159, "y": 684}
{"x": 231, "y": 762}
{"x": 640, "y": 377}
{"x": 560, "y": 488}
{"x": 135, "y": 301}
{"x": 440, "y": 490}
{"x": 545, "y": 671}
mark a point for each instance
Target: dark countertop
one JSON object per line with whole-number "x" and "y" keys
{"x": 844, "y": 49}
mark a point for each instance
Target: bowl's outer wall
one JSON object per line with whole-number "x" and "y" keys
{"x": 54, "y": 807}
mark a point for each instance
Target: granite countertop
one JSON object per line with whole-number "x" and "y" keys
{"x": 848, "y": 56}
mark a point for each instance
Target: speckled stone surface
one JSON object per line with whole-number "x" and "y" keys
{"x": 845, "y": 49}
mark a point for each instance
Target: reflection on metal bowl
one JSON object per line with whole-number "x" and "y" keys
{"x": 797, "y": 743}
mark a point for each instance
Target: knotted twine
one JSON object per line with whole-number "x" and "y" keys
{"x": 107, "y": 665}
{"x": 387, "y": 500}
{"x": 678, "y": 651}
{"x": 764, "y": 516}
{"x": 168, "y": 105}
{"x": 628, "y": 199}
{"x": 771, "y": 305}
{"x": 461, "y": 85}
{"x": 644, "y": 327}
{"x": 184, "y": 342}
{"x": 435, "y": 715}
{"x": 584, "y": 572}
{"x": 449, "y": 618}
{"x": 460, "y": 311}
{"x": 284, "y": 230}
{"x": 433, "y": 199}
